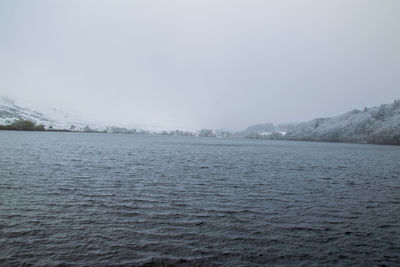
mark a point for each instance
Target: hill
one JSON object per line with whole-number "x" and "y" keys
{"x": 51, "y": 118}
{"x": 375, "y": 125}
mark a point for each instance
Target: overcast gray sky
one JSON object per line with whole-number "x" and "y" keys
{"x": 193, "y": 64}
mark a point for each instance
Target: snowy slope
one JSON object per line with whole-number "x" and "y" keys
{"x": 379, "y": 125}
{"x": 10, "y": 112}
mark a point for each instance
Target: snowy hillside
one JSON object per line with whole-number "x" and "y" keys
{"x": 380, "y": 125}
{"x": 49, "y": 117}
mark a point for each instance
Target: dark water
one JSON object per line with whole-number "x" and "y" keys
{"x": 96, "y": 199}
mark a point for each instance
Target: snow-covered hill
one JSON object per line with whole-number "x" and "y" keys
{"x": 49, "y": 117}
{"x": 379, "y": 125}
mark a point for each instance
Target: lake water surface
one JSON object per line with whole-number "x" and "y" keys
{"x": 103, "y": 199}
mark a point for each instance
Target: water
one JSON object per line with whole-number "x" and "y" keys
{"x": 97, "y": 199}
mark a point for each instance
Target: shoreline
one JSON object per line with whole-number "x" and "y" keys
{"x": 241, "y": 137}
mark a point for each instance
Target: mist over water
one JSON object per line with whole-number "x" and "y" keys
{"x": 97, "y": 199}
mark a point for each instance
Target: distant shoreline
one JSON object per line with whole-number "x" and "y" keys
{"x": 243, "y": 137}
{"x": 53, "y": 130}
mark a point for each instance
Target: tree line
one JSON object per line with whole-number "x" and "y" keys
{"x": 23, "y": 125}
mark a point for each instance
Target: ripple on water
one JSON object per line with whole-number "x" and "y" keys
{"x": 89, "y": 199}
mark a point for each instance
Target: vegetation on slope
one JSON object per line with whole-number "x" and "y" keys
{"x": 23, "y": 125}
{"x": 376, "y": 125}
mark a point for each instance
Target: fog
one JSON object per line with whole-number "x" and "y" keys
{"x": 194, "y": 64}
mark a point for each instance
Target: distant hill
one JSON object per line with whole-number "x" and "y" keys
{"x": 52, "y": 118}
{"x": 376, "y": 125}
{"x": 10, "y": 112}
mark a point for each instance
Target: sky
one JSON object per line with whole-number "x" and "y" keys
{"x": 202, "y": 63}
